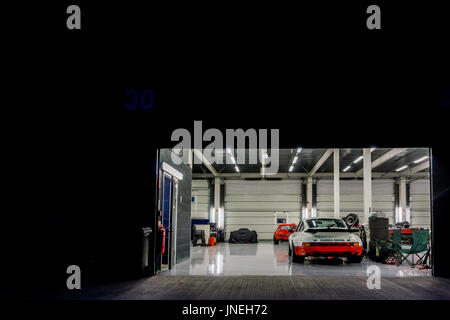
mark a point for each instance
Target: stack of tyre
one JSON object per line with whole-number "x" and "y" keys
{"x": 379, "y": 231}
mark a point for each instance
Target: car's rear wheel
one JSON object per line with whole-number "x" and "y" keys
{"x": 275, "y": 240}
{"x": 296, "y": 258}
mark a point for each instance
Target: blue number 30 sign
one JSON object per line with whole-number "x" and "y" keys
{"x": 139, "y": 99}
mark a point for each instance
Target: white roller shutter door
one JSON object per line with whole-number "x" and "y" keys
{"x": 352, "y": 198}
{"x": 200, "y": 205}
{"x": 257, "y": 204}
{"x": 419, "y": 191}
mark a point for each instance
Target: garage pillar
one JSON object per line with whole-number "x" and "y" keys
{"x": 367, "y": 188}
{"x": 217, "y": 182}
{"x": 402, "y": 200}
{"x": 309, "y": 197}
{"x": 190, "y": 158}
{"x": 337, "y": 200}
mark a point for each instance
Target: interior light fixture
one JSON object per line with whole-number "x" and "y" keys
{"x": 233, "y": 160}
{"x": 421, "y": 159}
{"x": 295, "y": 160}
{"x": 229, "y": 150}
{"x": 237, "y": 169}
{"x": 401, "y": 168}
{"x": 291, "y": 168}
{"x": 358, "y": 159}
{"x": 298, "y": 150}
{"x": 346, "y": 168}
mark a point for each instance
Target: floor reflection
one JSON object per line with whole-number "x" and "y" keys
{"x": 265, "y": 258}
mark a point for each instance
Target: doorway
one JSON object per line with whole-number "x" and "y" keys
{"x": 169, "y": 193}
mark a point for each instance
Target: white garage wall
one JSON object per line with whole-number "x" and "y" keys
{"x": 383, "y": 198}
{"x": 256, "y": 205}
{"x": 352, "y": 198}
{"x": 200, "y": 207}
{"x": 419, "y": 192}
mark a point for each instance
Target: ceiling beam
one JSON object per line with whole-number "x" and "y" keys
{"x": 420, "y": 167}
{"x": 322, "y": 175}
{"x": 199, "y": 154}
{"x": 319, "y": 163}
{"x": 385, "y": 157}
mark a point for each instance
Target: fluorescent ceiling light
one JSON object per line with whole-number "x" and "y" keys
{"x": 298, "y": 150}
{"x": 358, "y": 159}
{"x": 401, "y": 168}
{"x": 233, "y": 160}
{"x": 371, "y": 149}
{"x": 421, "y": 159}
{"x": 291, "y": 168}
{"x": 237, "y": 169}
{"x": 346, "y": 168}
{"x": 295, "y": 160}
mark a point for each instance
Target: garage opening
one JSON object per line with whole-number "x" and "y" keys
{"x": 326, "y": 212}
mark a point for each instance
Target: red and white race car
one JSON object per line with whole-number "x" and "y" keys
{"x": 324, "y": 237}
{"x": 283, "y": 232}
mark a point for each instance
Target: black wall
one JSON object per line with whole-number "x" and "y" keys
{"x": 184, "y": 206}
{"x": 440, "y": 211}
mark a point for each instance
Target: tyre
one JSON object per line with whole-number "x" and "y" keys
{"x": 296, "y": 258}
{"x": 355, "y": 259}
{"x": 275, "y": 240}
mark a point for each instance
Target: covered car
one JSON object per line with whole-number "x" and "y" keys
{"x": 324, "y": 237}
{"x": 283, "y": 232}
{"x": 243, "y": 235}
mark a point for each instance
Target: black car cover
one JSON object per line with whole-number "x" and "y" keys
{"x": 243, "y": 235}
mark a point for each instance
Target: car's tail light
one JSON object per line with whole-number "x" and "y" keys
{"x": 306, "y": 244}
{"x": 354, "y": 244}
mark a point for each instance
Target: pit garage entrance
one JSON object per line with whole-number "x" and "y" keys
{"x": 231, "y": 219}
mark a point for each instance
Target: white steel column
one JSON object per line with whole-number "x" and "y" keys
{"x": 402, "y": 200}
{"x": 190, "y": 158}
{"x": 309, "y": 197}
{"x": 367, "y": 189}
{"x": 216, "y": 200}
{"x": 337, "y": 201}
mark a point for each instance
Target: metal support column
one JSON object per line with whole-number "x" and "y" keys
{"x": 337, "y": 201}
{"x": 309, "y": 197}
{"x": 217, "y": 182}
{"x": 402, "y": 200}
{"x": 367, "y": 189}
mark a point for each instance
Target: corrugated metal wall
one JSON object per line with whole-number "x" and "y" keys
{"x": 201, "y": 205}
{"x": 257, "y": 204}
{"x": 352, "y": 199}
{"x": 420, "y": 203}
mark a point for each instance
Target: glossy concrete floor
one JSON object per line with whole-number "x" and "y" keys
{"x": 265, "y": 258}
{"x": 263, "y": 271}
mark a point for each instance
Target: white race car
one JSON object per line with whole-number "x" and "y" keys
{"x": 324, "y": 237}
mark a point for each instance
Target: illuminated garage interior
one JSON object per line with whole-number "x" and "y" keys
{"x": 392, "y": 183}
